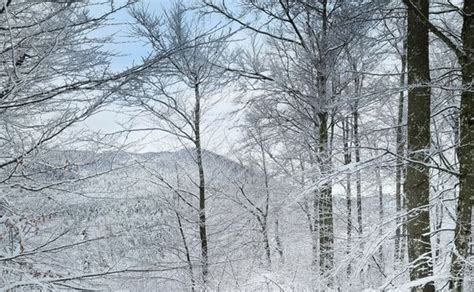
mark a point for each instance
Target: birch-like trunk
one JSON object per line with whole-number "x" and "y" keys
{"x": 264, "y": 224}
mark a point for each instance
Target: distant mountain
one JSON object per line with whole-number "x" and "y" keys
{"x": 70, "y": 164}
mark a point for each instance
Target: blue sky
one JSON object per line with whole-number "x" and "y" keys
{"x": 217, "y": 138}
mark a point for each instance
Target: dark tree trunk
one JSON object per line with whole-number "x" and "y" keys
{"x": 417, "y": 179}
{"x": 400, "y": 140}
{"x": 326, "y": 224}
{"x": 183, "y": 238}
{"x": 186, "y": 251}
{"x": 278, "y": 242}
{"x": 381, "y": 212}
{"x": 347, "y": 160}
{"x": 465, "y": 152}
{"x": 202, "y": 184}
{"x": 357, "y": 160}
{"x": 326, "y": 233}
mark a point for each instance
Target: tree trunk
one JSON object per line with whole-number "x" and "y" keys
{"x": 186, "y": 251}
{"x": 183, "y": 237}
{"x": 417, "y": 179}
{"x": 347, "y": 160}
{"x": 381, "y": 212}
{"x": 313, "y": 217}
{"x": 279, "y": 244}
{"x": 316, "y": 229}
{"x": 400, "y": 154}
{"x": 465, "y": 152}
{"x": 266, "y": 242}
{"x": 202, "y": 185}
{"x": 357, "y": 160}
{"x": 265, "y": 210}
{"x": 326, "y": 232}
{"x": 439, "y": 225}
{"x": 326, "y": 224}
{"x": 355, "y": 116}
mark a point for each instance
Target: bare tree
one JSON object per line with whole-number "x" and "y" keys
{"x": 465, "y": 59}
{"x": 417, "y": 186}
{"x": 54, "y": 74}
{"x": 175, "y": 95}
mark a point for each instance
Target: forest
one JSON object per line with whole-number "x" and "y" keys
{"x": 236, "y": 145}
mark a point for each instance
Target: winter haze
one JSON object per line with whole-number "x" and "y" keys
{"x": 236, "y": 145}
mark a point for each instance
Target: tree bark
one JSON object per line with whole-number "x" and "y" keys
{"x": 183, "y": 238}
{"x": 279, "y": 244}
{"x": 186, "y": 251}
{"x": 326, "y": 232}
{"x": 381, "y": 213}
{"x": 326, "y": 224}
{"x": 400, "y": 154}
{"x": 202, "y": 184}
{"x": 417, "y": 179}
{"x": 347, "y": 160}
{"x": 465, "y": 152}
{"x": 357, "y": 160}
{"x": 265, "y": 211}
